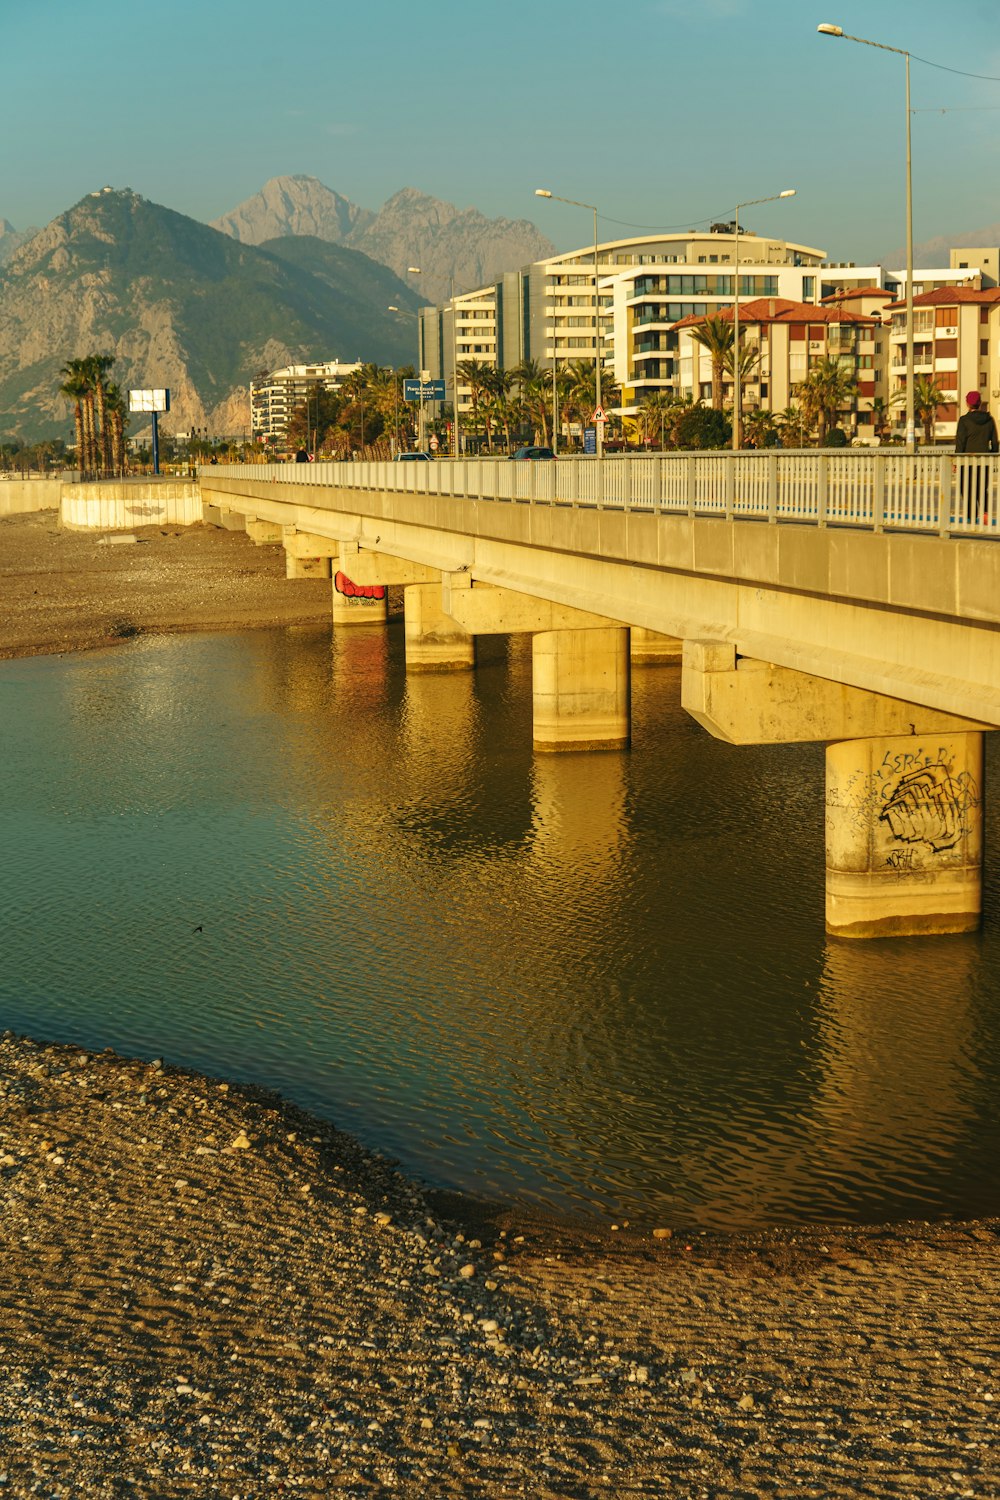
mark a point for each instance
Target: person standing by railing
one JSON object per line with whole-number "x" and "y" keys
{"x": 976, "y": 433}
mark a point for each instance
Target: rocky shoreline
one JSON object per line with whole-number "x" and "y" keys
{"x": 208, "y": 1292}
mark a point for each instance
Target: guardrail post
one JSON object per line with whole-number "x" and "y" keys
{"x": 878, "y": 496}
{"x": 599, "y": 466}
{"x": 947, "y": 469}
{"x": 729, "y": 483}
{"x": 772, "y": 486}
{"x": 692, "y": 479}
{"x": 626, "y": 464}
{"x": 658, "y": 498}
{"x": 822, "y": 489}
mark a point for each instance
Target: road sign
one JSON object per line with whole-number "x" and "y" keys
{"x": 434, "y": 445}
{"x": 599, "y": 415}
{"x": 590, "y": 440}
{"x": 427, "y": 390}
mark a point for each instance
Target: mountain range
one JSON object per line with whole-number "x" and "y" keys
{"x": 202, "y": 309}
{"x": 450, "y": 245}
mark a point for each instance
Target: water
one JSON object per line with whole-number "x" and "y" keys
{"x": 598, "y": 984}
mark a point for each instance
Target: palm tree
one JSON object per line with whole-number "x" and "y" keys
{"x": 716, "y": 336}
{"x": 117, "y": 417}
{"x": 534, "y": 384}
{"x": 581, "y": 395}
{"x": 741, "y": 367}
{"x": 827, "y": 388}
{"x": 655, "y": 414}
{"x": 927, "y": 397}
{"x": 793, "y": 425}
{"x": 475, "y": 374}
{"x": 499, "y": 384}
{"x": 759, "y": 428}
{"x": 98, "y": 367}
{"x": 75, "y": 388}
{"x": 880, "y": 417}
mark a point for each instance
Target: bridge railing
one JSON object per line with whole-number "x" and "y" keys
{"x": 877, "y": 490}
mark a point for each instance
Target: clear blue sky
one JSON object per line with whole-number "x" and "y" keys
{"x": 663, "y": 112}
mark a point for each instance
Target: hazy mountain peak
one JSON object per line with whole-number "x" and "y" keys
{"x": 293, "y": 205}
{"x": 412, "y": 228}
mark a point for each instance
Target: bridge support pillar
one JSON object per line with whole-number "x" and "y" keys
{"x": 358, "y": 604}
{"x": 580, "y": 686}
{"x": 904, "y": 839}
{"x": 306, "y": 567}
{"x": 650, "y": 648}
{"x": 434, "y": 641}
{"x": 263, "y": 533}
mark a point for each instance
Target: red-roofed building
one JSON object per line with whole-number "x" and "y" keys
{"x": 791, "y": 336}
{"x": 956, "y": 343}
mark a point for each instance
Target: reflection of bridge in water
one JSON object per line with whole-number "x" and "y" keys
{"x": 845, "y": 598}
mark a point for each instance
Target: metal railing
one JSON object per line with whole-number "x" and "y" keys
{"x": 876, "y": 490}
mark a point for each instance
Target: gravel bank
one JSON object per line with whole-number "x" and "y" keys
{"x": 206, "y": 1292}
{"x": 74, "y": 590}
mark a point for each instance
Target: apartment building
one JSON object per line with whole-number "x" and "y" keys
{"x": 956, "y": 343}
{"x": 628, "y": 299}
{"x": 789, "y": 337}
{"x": 275, "y": 396}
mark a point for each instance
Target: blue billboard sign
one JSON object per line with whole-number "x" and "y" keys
{"x": 590, "y": 440}
{"x": 429, "y": 390}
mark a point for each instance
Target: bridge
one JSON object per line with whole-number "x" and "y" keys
{"x": 845, "y": 597}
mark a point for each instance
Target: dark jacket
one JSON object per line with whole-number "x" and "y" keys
{"x": 976, "y": 433}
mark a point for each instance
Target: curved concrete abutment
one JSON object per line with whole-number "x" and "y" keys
{"x": 904, "y": 789}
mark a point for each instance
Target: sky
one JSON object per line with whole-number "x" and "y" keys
{"x": 663, "y": 113}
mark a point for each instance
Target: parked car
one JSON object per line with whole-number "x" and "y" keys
{"x": 420, "y": 458}
{"x": 530, "y": 451}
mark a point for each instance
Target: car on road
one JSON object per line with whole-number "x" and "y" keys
{"x": 420, "y": 458}
{"x": 531, "y": 451}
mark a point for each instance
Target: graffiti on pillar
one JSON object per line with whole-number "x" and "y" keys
{"x": 929, "y": 806}
{"x": 358, "y": 593}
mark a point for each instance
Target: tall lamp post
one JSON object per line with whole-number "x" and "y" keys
{"x": 395, "y": 396}
{"x": 544, "y": 193}
{"x": 415, "y": 271}
{"x": 826, "y": 29}
{"x": 737, "y": 381}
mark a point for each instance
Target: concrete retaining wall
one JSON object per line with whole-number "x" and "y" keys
{"x": 18, "y": 497}
{"x": 120, "y": 505}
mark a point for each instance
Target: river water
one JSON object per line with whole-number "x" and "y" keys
{"x": 598, "y": 984}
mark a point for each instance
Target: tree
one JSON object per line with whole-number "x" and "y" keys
{"x": 314, "y": 419}
{"x": 741, "y": 367}
{"x": 499, "y": 384}
{"x": 534, "y": 384}
{"x": 793, "y": 426}
{"x": 760, "y": 429}
{"x": 927, "y": 397}
{"x": 716, "y": 336}
{"x": 475, "y": 374}
{"x": 655, "y": 417}
{"x": 98, "y": 367}
{"x": 703, "y": 427}
{"x": 826, "y": 390}
{"x": 581, "y": 395}
{"x": 75, "y": 388}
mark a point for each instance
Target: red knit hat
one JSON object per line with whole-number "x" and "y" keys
{"x": 973, "y": 398}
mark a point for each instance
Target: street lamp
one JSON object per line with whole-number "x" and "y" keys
{"x": 395, "y": 396}
{"x": 826, "y": 29}
{"x": 544, "y": 193}
{"x": 421, "y": 373}
{"x": 737, "y": 382}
